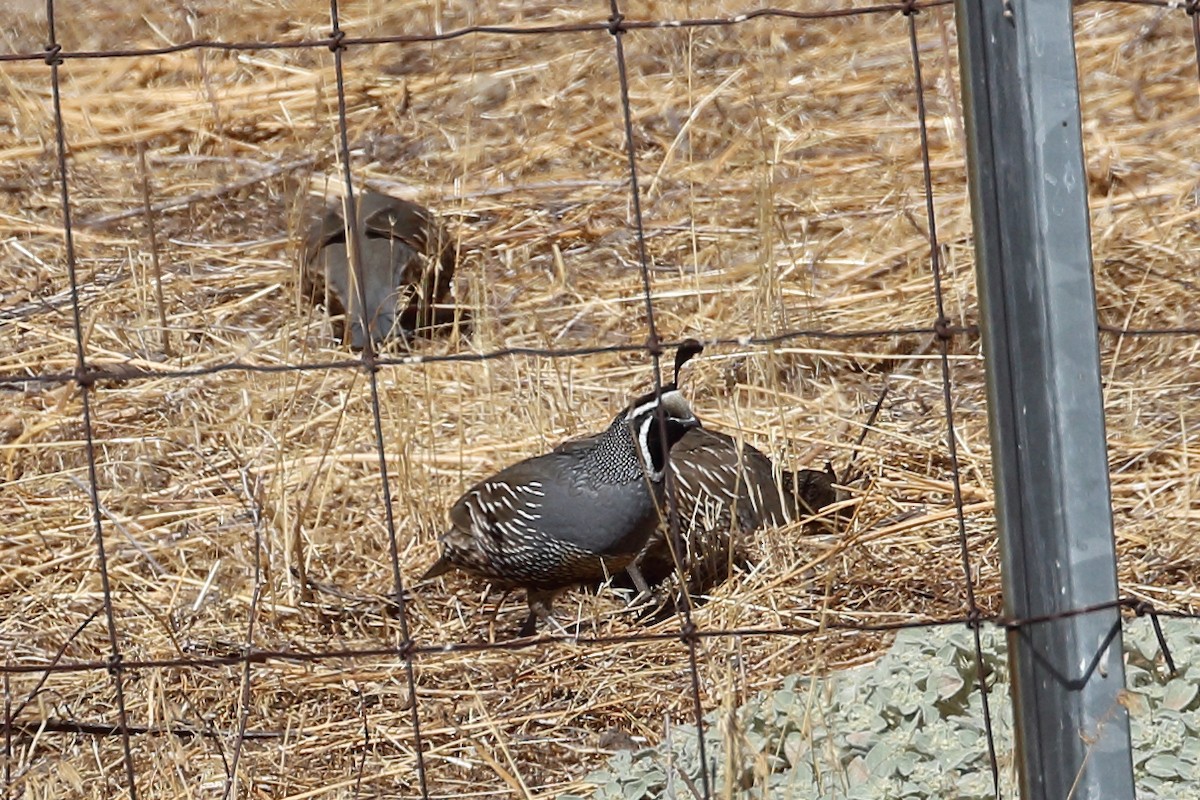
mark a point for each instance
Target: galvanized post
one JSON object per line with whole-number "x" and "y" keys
{"x": 1037, "y": 298}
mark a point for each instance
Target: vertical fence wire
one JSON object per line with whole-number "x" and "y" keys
{"x": 246, "y": 694}
{"x": 54, "y": 61}
{"x": 943, "y": 339}
{"x": 1193, "y": 12}
{"x": 687, "y": 626}
{"x": 8, "y": 733}
{"x": 405, "y": 647}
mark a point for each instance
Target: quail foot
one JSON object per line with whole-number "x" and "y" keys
{"x": 408, "y": 262}
{"x": 576, "y": 515}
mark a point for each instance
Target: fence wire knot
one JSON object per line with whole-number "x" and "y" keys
{"x": 85, "y": 378}
{"x": 975, "y": 618}
{"x": 369, "y": 360}
{"x": 54, "y": 54}
{"x": 910, "y": 8}
{"x": 616, "y": 24}
{"x": 114, "y": 662}
{"x": 337, "y": 40}
{"x": 1191, "y": 7}
{"x": 943, "y": 329}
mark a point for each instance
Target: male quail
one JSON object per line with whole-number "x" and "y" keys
{"x": 407, "y": 264}
{"x": 577, "y": 514}
{"x": 721, "y": 490}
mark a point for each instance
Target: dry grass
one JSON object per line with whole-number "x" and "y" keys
{"x": 782, "y": 190}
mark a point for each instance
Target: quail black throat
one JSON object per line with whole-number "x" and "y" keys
{"x": 576, "y": 515}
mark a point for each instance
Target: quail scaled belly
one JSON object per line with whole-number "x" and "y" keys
{"x": 721, "y": 490}
{"x": 408, "y": 262}
{"x": 576, "y": 515}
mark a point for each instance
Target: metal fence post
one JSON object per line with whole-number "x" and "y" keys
{"x": 1046, "y": 411}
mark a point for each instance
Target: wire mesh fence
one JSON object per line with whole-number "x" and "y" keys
{"x": 215, "y": 516}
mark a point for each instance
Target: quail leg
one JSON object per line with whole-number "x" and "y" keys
{"x": 529, "y": 626}
{"x": 499, "y": 604}
{"x": 644, "y": 594}
{"x": 541, "y": 603}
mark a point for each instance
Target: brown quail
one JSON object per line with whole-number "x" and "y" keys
{"x": 723, "y": 490}
{"x": 408, "y": 262}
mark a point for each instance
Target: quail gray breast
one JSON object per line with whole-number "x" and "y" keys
{"x": 575, "y": 515}
{"x": 408, "y": 262}
{"x": 723, "y": 489}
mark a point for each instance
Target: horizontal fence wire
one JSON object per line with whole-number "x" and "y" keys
{"x": 600, "y": 26}
{"x": 1136, "y": 606}
{"x": 90, "y": 373}
{"x": 605, "y": 26}
{"x": 126, "y": 372}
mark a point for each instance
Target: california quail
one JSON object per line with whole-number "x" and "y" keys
{"x": 408, "y": 262}
{"x": 715, "y": 480}
{"x": 576, "y": 515}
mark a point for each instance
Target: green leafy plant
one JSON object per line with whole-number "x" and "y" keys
{"x": 910, "y": 725}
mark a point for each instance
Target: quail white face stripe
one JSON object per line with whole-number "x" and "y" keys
{"x": 637, "y": 411}
{"x": 644, "y": 444}
{"x": 672, "y": 402}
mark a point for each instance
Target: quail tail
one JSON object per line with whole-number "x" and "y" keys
{"x": 440, "y": 567}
